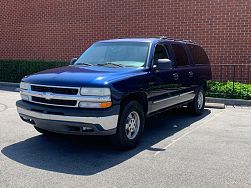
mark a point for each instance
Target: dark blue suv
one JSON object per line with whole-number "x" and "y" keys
{"x": 114, "y": 85}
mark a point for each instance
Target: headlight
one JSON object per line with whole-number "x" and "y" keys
{"x": 24, "y": 85}
{"x": 95, "y": 91}
{"x": 25, "y": 97}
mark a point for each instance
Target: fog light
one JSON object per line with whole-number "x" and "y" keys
{"x": 95, "y": 104}
{"x": 87, "y": 129}
{"x": 89, "y": 105}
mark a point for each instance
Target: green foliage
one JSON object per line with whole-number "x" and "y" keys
{"x": 15, "y": 70}
{"x": 229, "y": 89}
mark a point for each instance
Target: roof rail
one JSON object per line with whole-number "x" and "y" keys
{"x": 190, "y": 41}
{"x": 162, "y": 37}
{"x": 181, "y": 40}
{"x": 158, "y": 37}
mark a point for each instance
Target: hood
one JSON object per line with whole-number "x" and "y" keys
{"x": 77, "y": 76}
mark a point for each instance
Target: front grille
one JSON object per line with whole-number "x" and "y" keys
{"x": 57, "y": 90}
{"x": 55, "y": 101}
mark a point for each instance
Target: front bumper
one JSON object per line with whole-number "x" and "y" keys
{"x": 70, "y": 120}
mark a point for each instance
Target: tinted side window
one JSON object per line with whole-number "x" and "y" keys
{"x": 180, "y": 55}
{"x": 160, "y": 52}
{"x": 198, "y": 54}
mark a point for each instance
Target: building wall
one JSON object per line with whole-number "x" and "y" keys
{"x": 62, "y": 29}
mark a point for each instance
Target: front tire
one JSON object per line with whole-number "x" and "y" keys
{"x": 130, "y": 126}
{"x": 197, "y": 106}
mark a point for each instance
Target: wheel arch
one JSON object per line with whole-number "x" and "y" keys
{"x": 203, "y": 83}
{"x": 140, "y": 97}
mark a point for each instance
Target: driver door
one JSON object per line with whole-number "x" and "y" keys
{"x": 164, "y": 85}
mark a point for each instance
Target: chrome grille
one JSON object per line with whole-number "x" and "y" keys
{"x": 57, "y": 90}
{"x": 58, "y": 96}
{"x": 55, "y": 101}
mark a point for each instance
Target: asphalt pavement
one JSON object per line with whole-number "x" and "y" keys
{"x": 177, "y": 150}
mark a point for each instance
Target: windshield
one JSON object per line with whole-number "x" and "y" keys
{"x": 117, "y": 54}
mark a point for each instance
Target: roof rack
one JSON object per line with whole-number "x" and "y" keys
{"x": 158, "y": 37}
{"x": 163, "y": 38}
{"x": 181, "y": 40}
{"x": 190, "y": 41}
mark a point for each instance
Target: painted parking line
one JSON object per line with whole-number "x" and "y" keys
{"x": 3, "y": 107}
{"x": 188, "y": 132}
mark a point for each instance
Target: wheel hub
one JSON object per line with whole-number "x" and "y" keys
{"x": 132, "y": 125}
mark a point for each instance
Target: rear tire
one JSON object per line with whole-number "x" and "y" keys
{"x": 130, "y": 126}
{"x": 196, "y": 107}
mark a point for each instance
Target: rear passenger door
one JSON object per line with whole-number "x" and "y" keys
{"x": 202, "y": 69}
{"x": 184, "y": 71}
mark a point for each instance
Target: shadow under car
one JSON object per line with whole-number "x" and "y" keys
{"x": 88, "y": 155}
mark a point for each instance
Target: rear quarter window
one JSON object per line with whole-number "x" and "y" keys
{"x": 199, "y": 56}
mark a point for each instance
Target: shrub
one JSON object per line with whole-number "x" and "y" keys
{"x": 229, "y": 90}
{"x": 15, "y": 70}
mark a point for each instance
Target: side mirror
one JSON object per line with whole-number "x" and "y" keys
{"x": 73, "y": 60}
{"x": 163, "y": 64}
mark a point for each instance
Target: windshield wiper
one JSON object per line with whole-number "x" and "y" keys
{"x": 86, "y": 64}
{"x": 109, "y": 63}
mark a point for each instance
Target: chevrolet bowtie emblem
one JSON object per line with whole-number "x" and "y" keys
{"x": 48, "y": 95}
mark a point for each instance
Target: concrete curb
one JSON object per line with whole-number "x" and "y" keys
{"x": 234, "y": 102}
{"x": 215, "y": 105}
{"x": 9, "y": 84}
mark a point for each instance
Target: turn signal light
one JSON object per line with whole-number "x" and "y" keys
{"x": 105, "y": 104}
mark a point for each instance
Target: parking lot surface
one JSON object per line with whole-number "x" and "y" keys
{"x": 177, "y": 150}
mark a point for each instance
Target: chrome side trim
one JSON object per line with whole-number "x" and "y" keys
{"x": 107, "y": 122}
{"x": 162, "y": 100}
{"x": 170, "y": 98}
{"x": 187, "y": 93}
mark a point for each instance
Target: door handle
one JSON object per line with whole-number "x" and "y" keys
{"x": 152, "y": 83}
{"x": 175, "y": 76}
{"x": 190, "y": 73}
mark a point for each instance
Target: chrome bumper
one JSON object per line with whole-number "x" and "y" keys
{"x": 106, "y": 122}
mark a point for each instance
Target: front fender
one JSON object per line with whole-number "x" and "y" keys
{"x": 129, "y": 85}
